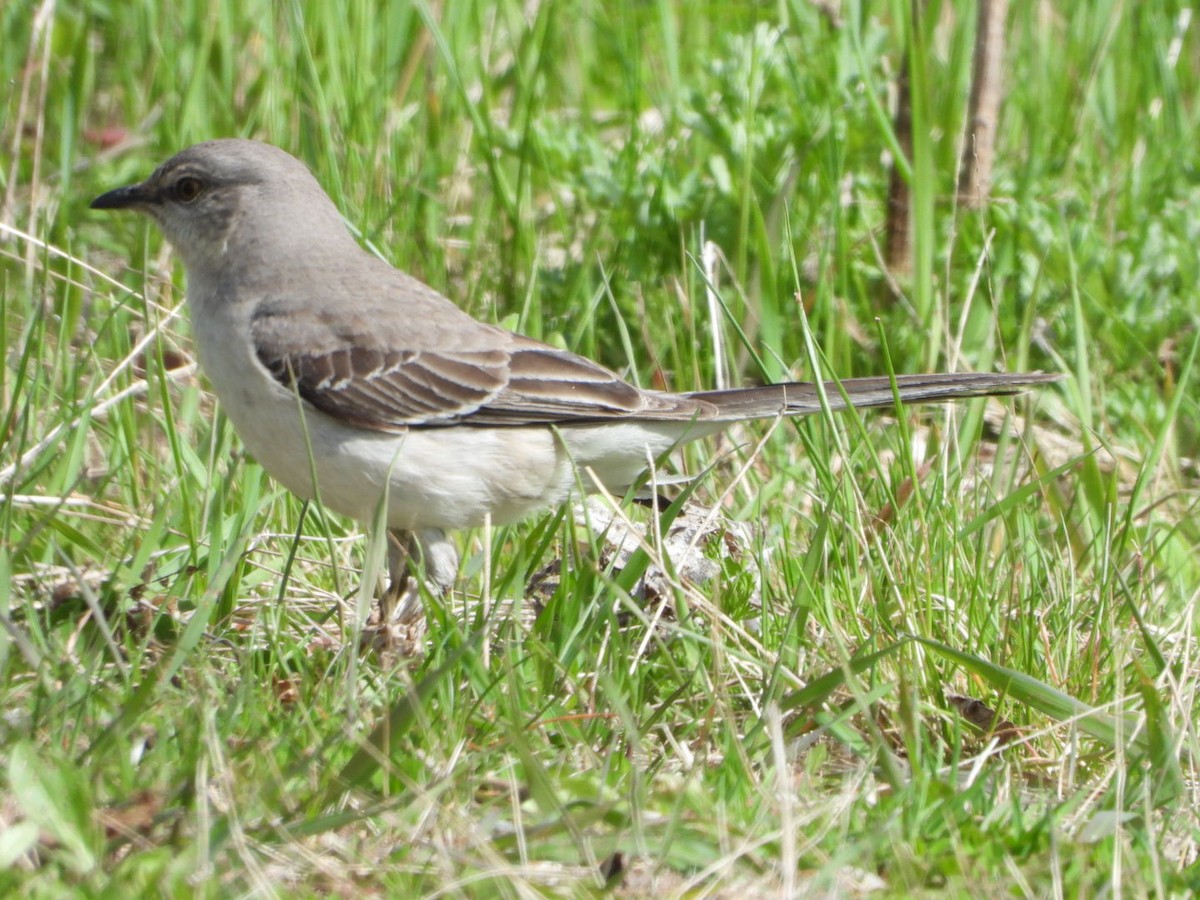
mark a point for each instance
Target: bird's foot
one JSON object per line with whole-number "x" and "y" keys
{"x": 397, "y": 624}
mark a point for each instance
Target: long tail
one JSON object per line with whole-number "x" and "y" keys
{"x": 800, "y": 398}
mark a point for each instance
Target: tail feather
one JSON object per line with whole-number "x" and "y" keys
{"x": 801, "y": 397}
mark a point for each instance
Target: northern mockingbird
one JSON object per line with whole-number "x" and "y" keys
{"x": 355, "y": 384}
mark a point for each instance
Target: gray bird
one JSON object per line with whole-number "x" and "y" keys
{"x": 355, "y": 384}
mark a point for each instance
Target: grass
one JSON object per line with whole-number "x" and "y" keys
{"x": 643, "y": 183}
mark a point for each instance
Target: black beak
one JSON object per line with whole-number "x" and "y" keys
{"x": 130, "y": 197}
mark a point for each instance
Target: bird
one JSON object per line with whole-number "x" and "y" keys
{"x": 358, "y": 386}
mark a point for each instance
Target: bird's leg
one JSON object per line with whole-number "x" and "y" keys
{"x": 429, "y": 548}
{"x": 400, "y": 601}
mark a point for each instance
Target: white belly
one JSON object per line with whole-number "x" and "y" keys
{"x": 433, "y": 478}
{"x": 449, "y": 478}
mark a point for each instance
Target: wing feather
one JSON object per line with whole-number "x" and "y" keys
{"x": 462, "y": 373}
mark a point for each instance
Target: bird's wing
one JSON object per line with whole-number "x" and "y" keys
{"x": 432, "y": 365}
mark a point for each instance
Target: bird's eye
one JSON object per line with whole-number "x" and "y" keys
{"x": 188, "y": 189}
